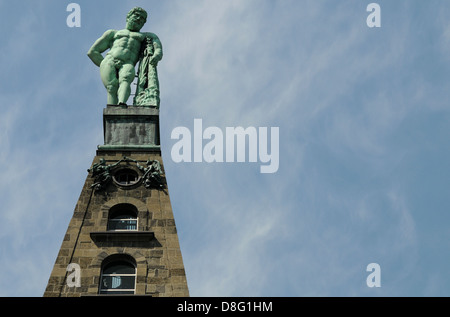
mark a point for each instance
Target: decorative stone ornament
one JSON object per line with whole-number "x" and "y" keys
{"x": 152, "y": 175}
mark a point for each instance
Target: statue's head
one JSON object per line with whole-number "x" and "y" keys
{"x": 136, "y": 19}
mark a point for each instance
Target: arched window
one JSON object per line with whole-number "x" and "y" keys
{"x": 118, "y": 275}
{"x": 122, "y": 217}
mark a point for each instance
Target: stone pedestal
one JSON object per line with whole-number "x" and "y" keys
{"x": 132, "y": 127}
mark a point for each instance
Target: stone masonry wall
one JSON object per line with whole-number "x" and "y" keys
{"x": 159, "y": 264}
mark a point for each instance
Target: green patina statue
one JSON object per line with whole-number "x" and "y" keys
{"x": 152, "y": 174}
{"x": 102, "y": 173}
{"x": 127, "y": 47}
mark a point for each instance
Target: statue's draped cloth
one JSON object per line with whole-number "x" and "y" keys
{"x": 147, "y": 90}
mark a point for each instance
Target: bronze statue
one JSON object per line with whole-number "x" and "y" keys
{"x": 152, "y": 174}
{"x": 102, "y": 173}
{"x": 126, "y": 48}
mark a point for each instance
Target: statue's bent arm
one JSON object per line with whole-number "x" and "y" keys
{"x": 158, "y": 52}
{"x": 101, "y": 45}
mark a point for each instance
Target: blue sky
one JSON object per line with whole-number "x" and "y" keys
{"x": 364, "y": 121}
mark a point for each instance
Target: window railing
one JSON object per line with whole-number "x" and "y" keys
{"x": 118, "y": 284}
{"x": 122, "y": 224}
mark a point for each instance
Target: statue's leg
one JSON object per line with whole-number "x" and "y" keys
{"x": 126, "y": 77}
{"x": 109, "y": 79}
